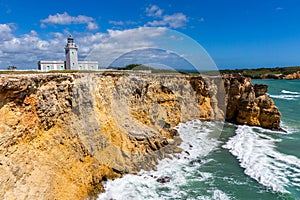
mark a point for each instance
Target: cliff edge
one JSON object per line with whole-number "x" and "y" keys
{"x": 62, "y": 135}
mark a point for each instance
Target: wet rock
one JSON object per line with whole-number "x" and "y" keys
{"x": 164, "y": 179}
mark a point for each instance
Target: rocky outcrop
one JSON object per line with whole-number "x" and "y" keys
{"x": 61, "y": 135}
{"x": 295, "y": 75}
{"x": 248, "y": 104}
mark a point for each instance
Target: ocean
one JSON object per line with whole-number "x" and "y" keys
{"x": 223, "y": 161}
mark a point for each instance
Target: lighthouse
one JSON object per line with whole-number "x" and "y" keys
{"x": 71, "y": 54}
{"x": 71, "y": 62}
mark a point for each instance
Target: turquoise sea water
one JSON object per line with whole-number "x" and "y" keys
{"x": 226, "y": 161}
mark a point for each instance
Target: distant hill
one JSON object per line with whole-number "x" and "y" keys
{"x": 140, "y": 67}
{"x": 259, "y": 73}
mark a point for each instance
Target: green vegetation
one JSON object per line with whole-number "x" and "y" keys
{"x": 141, "y": 67}
{"x": 136, "y": 67}
{"x": 11, "y": 67}
{"x": 272, "y": 73}
{"x": 276, "y": 72}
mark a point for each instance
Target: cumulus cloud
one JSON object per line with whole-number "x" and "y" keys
{"x": 26, "y": 50}
{"x": 5, "y": 32}
{"x": 92, "y": 26}
{"x": 4, "y": 28}
{"x": 66, "y": 19}
{"x": 154, "y": 11}
{"x": 107, "y": 47}
{"x": 176, "y": 20}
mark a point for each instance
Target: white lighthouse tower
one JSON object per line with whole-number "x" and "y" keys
{"x": 71, "y": 54}
{"x": 71, "y": 60}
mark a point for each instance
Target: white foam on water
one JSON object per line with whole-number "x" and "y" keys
{"x": 257, "y": 154}
{"x": 199, "y": 139}
{"x": 289, "y": 92}
{"x": 288, "y": 128}
{"x": 284, "y": 96}
{"x": 218, "y": 194}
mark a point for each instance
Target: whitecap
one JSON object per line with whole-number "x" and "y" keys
{"x": 289, "y": 92}
{"x": 257, "y": 154}
{"x": 284, "y": 96}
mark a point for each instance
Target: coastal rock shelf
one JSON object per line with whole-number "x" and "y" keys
{"x": 62, "y": 135}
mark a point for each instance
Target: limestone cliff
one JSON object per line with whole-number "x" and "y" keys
{"x": 61, "y": 135}
{"x": 248, "y": 104}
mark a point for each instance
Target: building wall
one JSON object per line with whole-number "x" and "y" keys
{"x": 51, "y": 65}
{"x": 61, "y": 65}
{"x": 87, "y": 65}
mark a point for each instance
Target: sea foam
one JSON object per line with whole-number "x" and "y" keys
{"x": 286, "y": 95}
{"x": 289, "y": 92}
{"x": 257, "y": 154}
{"x": 199, "y": 139}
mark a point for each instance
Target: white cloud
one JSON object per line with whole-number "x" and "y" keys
{"x": 154, "y": 11}
{"x": 92, "y": 26}
{"x": 66, "y": 19}
{"x": 176, "y": 20}
{"x": 107, "y": 47}
{"x": 5, "y": 28}
{"x": 117, "y": 23}
{"x": 5, "y": 32}
{"x": 25, "y": 50}
{"x": 122, "y": 23}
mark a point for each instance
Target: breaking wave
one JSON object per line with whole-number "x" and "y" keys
{"x": 199, "y": 139}
{"x": 257, "y": 154}
{"x": 286, "y": 95}
{"x": 289, "y": 92}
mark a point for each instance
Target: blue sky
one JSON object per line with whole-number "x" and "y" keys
{"x": 235, "y": 33}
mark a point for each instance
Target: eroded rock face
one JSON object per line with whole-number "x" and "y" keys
{"x": 61, "y": 135}
{"x": 248, "y": 104}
